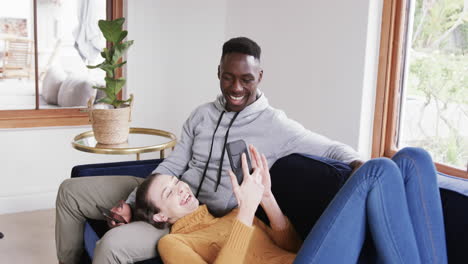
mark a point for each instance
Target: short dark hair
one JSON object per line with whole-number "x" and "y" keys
{"x": 144, "y": 208}
{"x": 242, "y": 45}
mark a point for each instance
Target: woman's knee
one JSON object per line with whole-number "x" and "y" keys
{"x": 379, "y": 165}
{"x": 415, "y": 154}
{"x": 378, "y": 168}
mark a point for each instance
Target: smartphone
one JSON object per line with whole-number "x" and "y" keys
{"x": 111, "y": 215}
{"x": 235, "y": 150}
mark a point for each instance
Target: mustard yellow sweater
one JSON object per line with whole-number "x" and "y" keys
{"x": 203, "y": 238}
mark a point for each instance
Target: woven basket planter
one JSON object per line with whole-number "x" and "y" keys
{"x": 110, "y": 126}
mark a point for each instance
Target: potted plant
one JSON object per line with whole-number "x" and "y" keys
{"x": 111, "y": 124}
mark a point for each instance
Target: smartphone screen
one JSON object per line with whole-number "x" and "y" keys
{"x": 111, "y": 215}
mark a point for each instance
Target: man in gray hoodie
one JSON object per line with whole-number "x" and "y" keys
{"x": 240, "y": 112}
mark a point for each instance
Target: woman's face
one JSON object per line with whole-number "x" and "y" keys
{"x": 173, "y": 197}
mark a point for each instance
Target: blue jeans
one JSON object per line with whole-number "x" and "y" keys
{"x": 398, "y": 200}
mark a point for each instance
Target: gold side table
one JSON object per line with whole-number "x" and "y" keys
{"x": 140, "y": 140}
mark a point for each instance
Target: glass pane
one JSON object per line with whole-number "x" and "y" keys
{"x": 69, "y": 39}
{"x": 435, "y": 88}
{"x": 17, "y": 87}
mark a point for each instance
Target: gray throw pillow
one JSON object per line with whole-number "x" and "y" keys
{"x": 51, "y": 84}
{"x": 76, "y": 91}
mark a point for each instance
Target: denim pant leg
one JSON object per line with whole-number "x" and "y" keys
{"x": 374, "y": 195}
{"x": 424, "y": 204}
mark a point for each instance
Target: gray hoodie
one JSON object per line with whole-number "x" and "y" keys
{"x": 267, "y": 128}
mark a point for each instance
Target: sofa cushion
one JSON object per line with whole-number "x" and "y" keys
{"x": 51, "y": 84}
{"x": 455, "y": 209}
{"x": 75, "y": 91}
{"x": 456, "y": 184}
{"x": 304, "y": 186}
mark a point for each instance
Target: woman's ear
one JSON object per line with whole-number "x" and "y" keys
{"x": 160, "y": 218}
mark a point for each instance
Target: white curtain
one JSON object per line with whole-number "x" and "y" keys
{"x": 88, "y": 38}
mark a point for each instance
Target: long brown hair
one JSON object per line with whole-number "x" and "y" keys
{"x": 145, "y": 209}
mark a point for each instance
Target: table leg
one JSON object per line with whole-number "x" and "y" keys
{"x": 138, "y": 156}
{"x": 161, "y": 154}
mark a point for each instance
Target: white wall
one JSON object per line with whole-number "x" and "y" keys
{"x": 173, "y": 64}
{"x": 314, "y": 55}
{"x": 319, "y": 59}
{"x": 35, "y": 162}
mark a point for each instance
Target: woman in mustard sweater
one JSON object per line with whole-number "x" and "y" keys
{"x": 402, "y": 212}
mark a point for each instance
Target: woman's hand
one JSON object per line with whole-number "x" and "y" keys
{"x": 270, "y": 206}
{"x": 260, "y": 162}
{"x": 249, "y": 193}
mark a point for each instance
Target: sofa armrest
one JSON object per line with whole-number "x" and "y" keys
{"x": 139, "y": 168}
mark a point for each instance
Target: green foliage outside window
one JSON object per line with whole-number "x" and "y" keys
{"x": 438, "y": 79}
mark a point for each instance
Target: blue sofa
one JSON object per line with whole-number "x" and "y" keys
{"x": 303, "y": 185}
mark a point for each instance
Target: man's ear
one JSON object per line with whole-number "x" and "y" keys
{"x": 160, "y": 218}
{"x": 260, "y": 75}
{"x": 219, "y": 71}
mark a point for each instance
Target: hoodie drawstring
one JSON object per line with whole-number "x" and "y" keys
{"x": 220, "y": 168}
{"x": 209, "y": 156}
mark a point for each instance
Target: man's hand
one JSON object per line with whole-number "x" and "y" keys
{"x": 249, "y": 193}
{"x": 355, "y": 165}
{"x": 123, "y": 209}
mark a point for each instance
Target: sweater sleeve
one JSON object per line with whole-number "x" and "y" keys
{"x": 297, "y": 139}
{"x": 174, "y": 250}
{"x": 286, "y": 238}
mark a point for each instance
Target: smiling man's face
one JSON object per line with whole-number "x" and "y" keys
{"x": 239, "y": 75}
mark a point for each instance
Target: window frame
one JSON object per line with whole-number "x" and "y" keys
{"x": 389, "y": 81}
{"x": 53, "y": 117}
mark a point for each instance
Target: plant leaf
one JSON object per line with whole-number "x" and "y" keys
{"x": 105, "y": 54}
{"x": 120, "y": 64}
{"x": 118, "y": 103}
{"x": 119, "y": 50}
{"x": 111, "y": 30}
{"x": 114, "y": 85}
{"x": 95, "y": 66}
{"x": 122, "y": 35}
{"x": 99, "y": 88}
{"x": 108, "y": 68}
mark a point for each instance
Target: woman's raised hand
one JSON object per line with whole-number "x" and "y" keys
{"x": 260, "y": 162}
{"x": 249, "y": 193}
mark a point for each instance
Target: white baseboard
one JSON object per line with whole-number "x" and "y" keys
{"x": 27, "y": 202}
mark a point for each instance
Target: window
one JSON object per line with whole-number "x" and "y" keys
{"x": 422, "y": 87}
{"x": 44, "y": 47}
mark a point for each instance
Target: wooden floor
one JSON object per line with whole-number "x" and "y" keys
{"x": 28, "y": 237}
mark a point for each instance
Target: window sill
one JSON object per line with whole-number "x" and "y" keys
{"x": 43, "y": 118}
